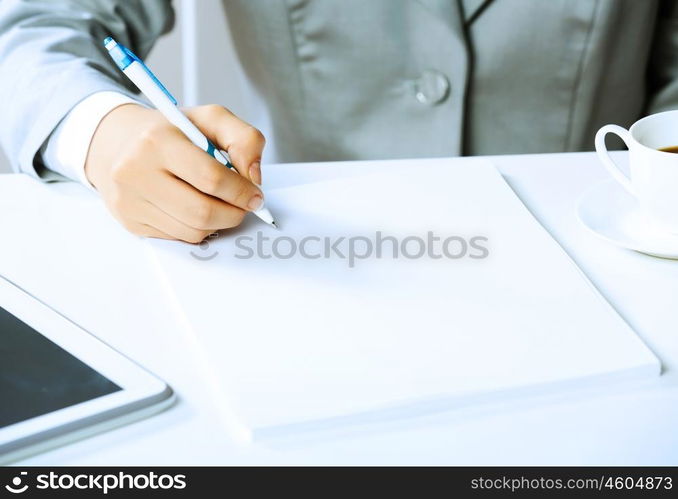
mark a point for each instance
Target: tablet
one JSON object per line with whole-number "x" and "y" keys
{"x": 59, "y": 383}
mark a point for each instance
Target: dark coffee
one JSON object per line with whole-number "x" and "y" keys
{"x": 673, "y": 149}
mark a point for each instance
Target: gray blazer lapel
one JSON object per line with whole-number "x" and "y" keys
{"x": 449, "y": 11}
{"x": 472, "y": 9}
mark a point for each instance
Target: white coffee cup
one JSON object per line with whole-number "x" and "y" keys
{"x": 653, "y": 177}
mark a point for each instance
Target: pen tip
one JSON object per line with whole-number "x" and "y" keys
{"x": 274, "y": 224}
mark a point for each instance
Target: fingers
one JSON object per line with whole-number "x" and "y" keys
{"x": 198, "y": 169}
{"x": 145, "y": 230}
{"x": 161, "y": 225}
{"x": 191, "y": 207}
{"x": 142, "y": 218}
{"x": 242, "y": 141}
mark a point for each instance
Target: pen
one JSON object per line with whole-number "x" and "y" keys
{"x": 150, "y": 86}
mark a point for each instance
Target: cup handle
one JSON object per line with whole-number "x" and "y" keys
{"x": 610, "y": 165}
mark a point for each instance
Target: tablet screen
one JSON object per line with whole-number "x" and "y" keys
{"x": 38, "y": 377}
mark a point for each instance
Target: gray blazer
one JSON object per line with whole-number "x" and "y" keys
{"x": 364, "y": 79}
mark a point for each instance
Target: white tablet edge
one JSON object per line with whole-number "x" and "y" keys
{"x": 149, "y": 394}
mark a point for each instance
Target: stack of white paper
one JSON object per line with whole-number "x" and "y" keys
{"x": 303, "y": 339}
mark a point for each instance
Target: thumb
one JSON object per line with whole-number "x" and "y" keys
{"x": 243, "y": 143}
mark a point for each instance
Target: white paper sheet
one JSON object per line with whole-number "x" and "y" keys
{"x": 300, "y": 342}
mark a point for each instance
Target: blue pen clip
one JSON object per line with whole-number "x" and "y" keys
{"x": 123, "y": 57}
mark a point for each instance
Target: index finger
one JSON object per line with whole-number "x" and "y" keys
{"x": 194, "y": 166}
{"x": 243, "y": 143}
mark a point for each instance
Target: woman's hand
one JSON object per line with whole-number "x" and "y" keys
{"x": 158, "y": 184}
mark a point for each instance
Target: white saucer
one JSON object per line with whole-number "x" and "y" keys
{"x": 612, "y": 214}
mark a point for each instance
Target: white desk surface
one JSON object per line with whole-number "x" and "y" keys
{"x": 100, "y": 277}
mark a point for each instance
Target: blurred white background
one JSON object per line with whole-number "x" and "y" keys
{"x": 200, "y": 66}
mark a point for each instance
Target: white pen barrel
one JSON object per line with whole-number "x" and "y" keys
{"x": 138, "y": 75}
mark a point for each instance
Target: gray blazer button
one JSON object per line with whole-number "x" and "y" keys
{"x": 432, "y": 87}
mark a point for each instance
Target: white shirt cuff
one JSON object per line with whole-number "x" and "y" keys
{"x": 67, "y": 147}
